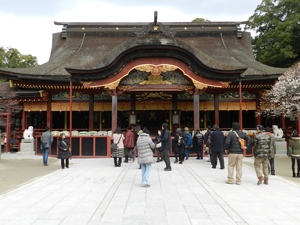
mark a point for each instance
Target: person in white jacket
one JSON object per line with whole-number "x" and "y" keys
{"x": 145, "y": 145}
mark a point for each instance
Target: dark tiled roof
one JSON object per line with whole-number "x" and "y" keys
{"x": 97, "y": 46}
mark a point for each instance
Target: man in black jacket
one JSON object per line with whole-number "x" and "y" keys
{"x": 166, "y": 145}
{"x": 217, "y": 139}
{"x": 235, "y": 157}
{"x": 198, "y": 144}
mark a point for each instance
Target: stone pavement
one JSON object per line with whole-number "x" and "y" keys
{"x": 92, "y": 191}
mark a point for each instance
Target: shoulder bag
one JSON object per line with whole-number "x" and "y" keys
{"x": 113, "y": 146}
{"x": 241, "y": 140}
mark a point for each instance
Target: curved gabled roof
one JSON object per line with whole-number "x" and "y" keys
{"x": 98, "y": 50}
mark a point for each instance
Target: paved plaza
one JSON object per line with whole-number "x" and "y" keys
{"x": 92, "y": 191}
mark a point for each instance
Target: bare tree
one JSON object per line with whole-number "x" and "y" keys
{"x": 8, "y": 101}
{"x": 284, "y": 97}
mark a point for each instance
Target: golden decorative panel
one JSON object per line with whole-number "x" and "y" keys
{"x": 156, "y": 70}
{"x": 155, "y": 79}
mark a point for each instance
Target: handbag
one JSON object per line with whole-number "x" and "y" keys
{"x": 289, "y": 152}
{"x": 113, "y": 146}
{"x": 45, "y": 145}
{"x": 206, "y": 150}
{"x": 158, "y": 145}
{"x": 242, "y": 141}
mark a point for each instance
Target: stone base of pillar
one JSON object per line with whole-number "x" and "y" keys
{"x": 27, "y": 147}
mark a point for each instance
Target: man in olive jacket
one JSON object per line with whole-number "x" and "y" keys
{"x": 235, "y": 157}
{"x": 261, "y": 148}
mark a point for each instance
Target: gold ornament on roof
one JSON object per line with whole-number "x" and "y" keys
{"x": 156, "y": 70}
{"x": 154, "y": 79}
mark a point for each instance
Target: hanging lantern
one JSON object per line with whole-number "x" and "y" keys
{"x": 186, "y": 109}
{"x": 40, "y": 109}
{"x": 246, "y": 109}
{"x": 79, "y": 110}
{"x": 227, "y": 109}
{"x": 144, "y": 109}
{"x": 204, "y": 109}
{"x": 102, "y": 110}
{"x": 121, "y": 109}
{"x": 60, "y": 110}
{"x": 29, "y": 110}
{"x": 163, "y": 108}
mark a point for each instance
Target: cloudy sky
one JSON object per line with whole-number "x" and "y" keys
{"x": 28, "y": 25}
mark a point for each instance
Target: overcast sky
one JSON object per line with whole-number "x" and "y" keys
{"x": 28, "y": 25}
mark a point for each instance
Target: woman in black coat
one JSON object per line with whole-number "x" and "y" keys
{"x": 178, "y": 147}
{"x": 64, "y": 150}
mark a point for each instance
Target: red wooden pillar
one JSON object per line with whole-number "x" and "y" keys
{"x": 258, "y": 118}
{"x": 217, "y": 111}
{"x": 49, "y": 112}
{"x": 114, "y": 110}
{"x": 298, "y": 124}
{"x": 241, "y": 111}
{"x": 8, "y": 129}
{"x": 71, "y": 110}
{"x": 282, "y": 121}
{"x": 91, "y": 112}
{"x": 23, "y": 119}
{"x": 196, "y": 110}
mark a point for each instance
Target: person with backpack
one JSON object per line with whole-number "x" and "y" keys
{"x": 178, "y": 147}
{"x": 188, "y": 143}
{"x": 198, "y": 144}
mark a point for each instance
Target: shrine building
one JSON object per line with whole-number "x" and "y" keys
{"x": 119, "y": 74}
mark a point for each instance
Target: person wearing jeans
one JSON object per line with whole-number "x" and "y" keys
{"x": 145, "y": 145}
{"x": 46, "y": 137}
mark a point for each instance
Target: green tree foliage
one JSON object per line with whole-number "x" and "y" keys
{"x": 278, "y": 34}
{"x": 199, "y": 19}
{"x": 12, "y": 58}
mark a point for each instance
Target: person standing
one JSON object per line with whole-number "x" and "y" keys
{"x": 145, "y": 159}
{"x": 207, "y": 134}
{"x": 64, "y": 150}
{"x": 118, "y": 139}
{"x": 235, "y": 150}
{"x": 272, "y": 149}
{"x": 166, "y": 145}
{"x": 217, "y": 139}
{"x": 198, "y": 144}
{"x": 295, "y": 146}
{"x": 261, "y": 149}
{"x": 135, "y": 140}
{"x": 179, "y": 145}
{"x": 159, "y": 152}
{"x": 46, "y": 139}
{"x": 188, "y": 143}
{"x": 128, "y": 143}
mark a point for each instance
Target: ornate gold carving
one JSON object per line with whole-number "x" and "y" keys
{"x": 112, "y": 85}
{"x": 161, "y": 95}
{"x": 156, "y": 70}
{"x": 187, "y": 88}
{"x": 123, "y": 88}
{"x": 199, "y": 85}
{"x": 226, "y": 84}
{"x": 86, "y": 83}
{"x": 152, "y": 79}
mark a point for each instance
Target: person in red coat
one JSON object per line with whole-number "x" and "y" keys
{"x": 128, "y": 143}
